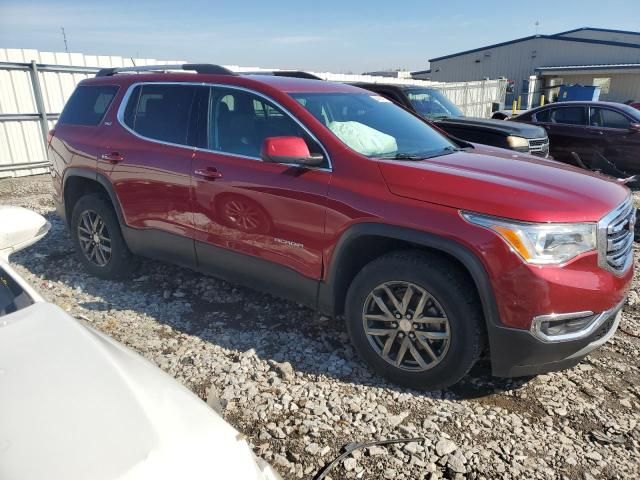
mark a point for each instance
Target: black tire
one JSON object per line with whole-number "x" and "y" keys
{"x": 121, "y": 262}
{"x": 452, "y": 291}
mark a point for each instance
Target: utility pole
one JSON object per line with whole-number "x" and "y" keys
{"x": 64, "y": 37}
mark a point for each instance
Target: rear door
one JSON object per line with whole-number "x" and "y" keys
{"x": 150, "y": 151}
{"x": 271, "y": 212}
{"x": 566, "y": 127}
{"x": 618, "y": 143}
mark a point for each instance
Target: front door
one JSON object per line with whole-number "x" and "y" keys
{"x": 619, "y": 144}
{"x": 252, "y": 218}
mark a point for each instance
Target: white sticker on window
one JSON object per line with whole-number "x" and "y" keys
{"x": 380, "y": 99}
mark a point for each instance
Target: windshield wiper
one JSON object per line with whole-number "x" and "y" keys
{"x": 446, "y": 151}
{"x": 405, "y": 156}
{"x": 415, "y": 156}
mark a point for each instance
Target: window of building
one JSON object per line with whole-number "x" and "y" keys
{"x": 604, "y": 83}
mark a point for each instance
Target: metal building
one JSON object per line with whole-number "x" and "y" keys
{"x": 606, "y": 58}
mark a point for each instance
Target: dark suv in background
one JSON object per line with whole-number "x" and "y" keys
{"x": 337, "y": 198}
{"x": 436, "y": 107}
{"x": 596, "y": 135}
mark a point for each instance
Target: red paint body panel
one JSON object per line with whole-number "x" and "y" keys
{"x": 301, "y": 214}
{"x": 519, "y": 187}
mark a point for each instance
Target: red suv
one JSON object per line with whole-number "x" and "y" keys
{"x": 337, "y": 198}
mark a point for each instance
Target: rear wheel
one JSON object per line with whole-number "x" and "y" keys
{"x": 98, "y": 240}
{"x": 415, "y": 319}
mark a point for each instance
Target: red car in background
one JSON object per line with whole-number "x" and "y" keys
{"x": 601, "y": 136}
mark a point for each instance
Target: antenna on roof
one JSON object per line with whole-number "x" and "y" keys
{"x": 64, "y": 37}
{"x": 537, "y": 24}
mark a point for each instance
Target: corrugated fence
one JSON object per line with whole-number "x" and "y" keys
{"x": 34, "y": 87}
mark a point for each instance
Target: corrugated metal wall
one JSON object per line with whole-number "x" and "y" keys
{"x": 624, "y": 86}
{"x": 21, "y": 147}
{"x": 518, "y": 61}
{"x": 22, "y": 129}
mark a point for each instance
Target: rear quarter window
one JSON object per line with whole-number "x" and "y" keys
{"x": 88, "y": 105}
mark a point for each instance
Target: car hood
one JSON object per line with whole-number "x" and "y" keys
{"x": 75, "y": 405}
{"x": 499, "y": 182}
{"x": 503, "y": 126}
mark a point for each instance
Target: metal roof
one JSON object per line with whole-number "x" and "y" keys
{"x": 593, "y": 29}
{"x": 545, "y": 37}
{"x": 612, "y": 66}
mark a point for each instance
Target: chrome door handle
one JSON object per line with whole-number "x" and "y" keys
{"x": 209, "y": 173}
{"x": 113, "y": 157}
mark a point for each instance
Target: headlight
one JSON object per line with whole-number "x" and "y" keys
{"x": 541, "y": 243}
{"x": 518, "y": 143}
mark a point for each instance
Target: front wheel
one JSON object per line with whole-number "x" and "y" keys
{"x": 415, "y": 319}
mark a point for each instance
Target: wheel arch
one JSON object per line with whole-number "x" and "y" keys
{"x": 85, "y": 181}
{"x": 364, "y": 242}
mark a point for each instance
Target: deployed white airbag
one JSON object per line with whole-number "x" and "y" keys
{"x": 364, "y": 139}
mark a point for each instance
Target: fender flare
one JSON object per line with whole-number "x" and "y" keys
{"x": 98, "y": 178}
{"x": 327, "y": 289}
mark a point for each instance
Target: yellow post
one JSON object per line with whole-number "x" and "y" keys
{"x": 542, "y": 100}
{"x": 515, "y": 104}
{"x": 519, "y": 101}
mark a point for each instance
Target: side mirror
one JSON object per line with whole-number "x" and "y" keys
{"x": 20, "y": 228}
{"x": 634, "y": 127}
{"x": 289, "y": 150}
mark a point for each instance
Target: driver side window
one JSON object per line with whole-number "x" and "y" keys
{"x": 240, "y": 121}
{"x": 602, "y": 117}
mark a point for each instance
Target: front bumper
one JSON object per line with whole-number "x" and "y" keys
{"x": 516, "y": 352}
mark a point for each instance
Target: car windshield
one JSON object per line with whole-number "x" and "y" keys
{"x": 374, "y": 126}
{"x": 432, "y": 104}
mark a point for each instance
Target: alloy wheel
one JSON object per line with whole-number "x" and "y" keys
{"x": 94, "y": 238}
{"x": 406, "y": 326}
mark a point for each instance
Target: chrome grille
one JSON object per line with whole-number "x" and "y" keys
{"x": 615, "y": 238}
{"x": 539, "y": 146}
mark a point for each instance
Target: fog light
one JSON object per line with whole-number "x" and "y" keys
{"x": 561, "y": 327}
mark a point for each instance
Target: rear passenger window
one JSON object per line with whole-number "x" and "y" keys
{"x": 569, "y": 115}
{"x": 543, "y": 116}
{"x": 87, "y": 105}
{"x": 239, "y": 122}
{"x": 161, "y": 112}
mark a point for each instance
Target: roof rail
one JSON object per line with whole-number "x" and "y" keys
{"x": 285, "y": 73}
{"x": 192, "y": 67}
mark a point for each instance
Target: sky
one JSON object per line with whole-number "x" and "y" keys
{"x": 340, "y": 36}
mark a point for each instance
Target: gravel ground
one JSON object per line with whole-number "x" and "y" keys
{"x": 292, "y": 384}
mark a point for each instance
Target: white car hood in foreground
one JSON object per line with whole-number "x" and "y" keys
{"x": 75, "y": 405}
